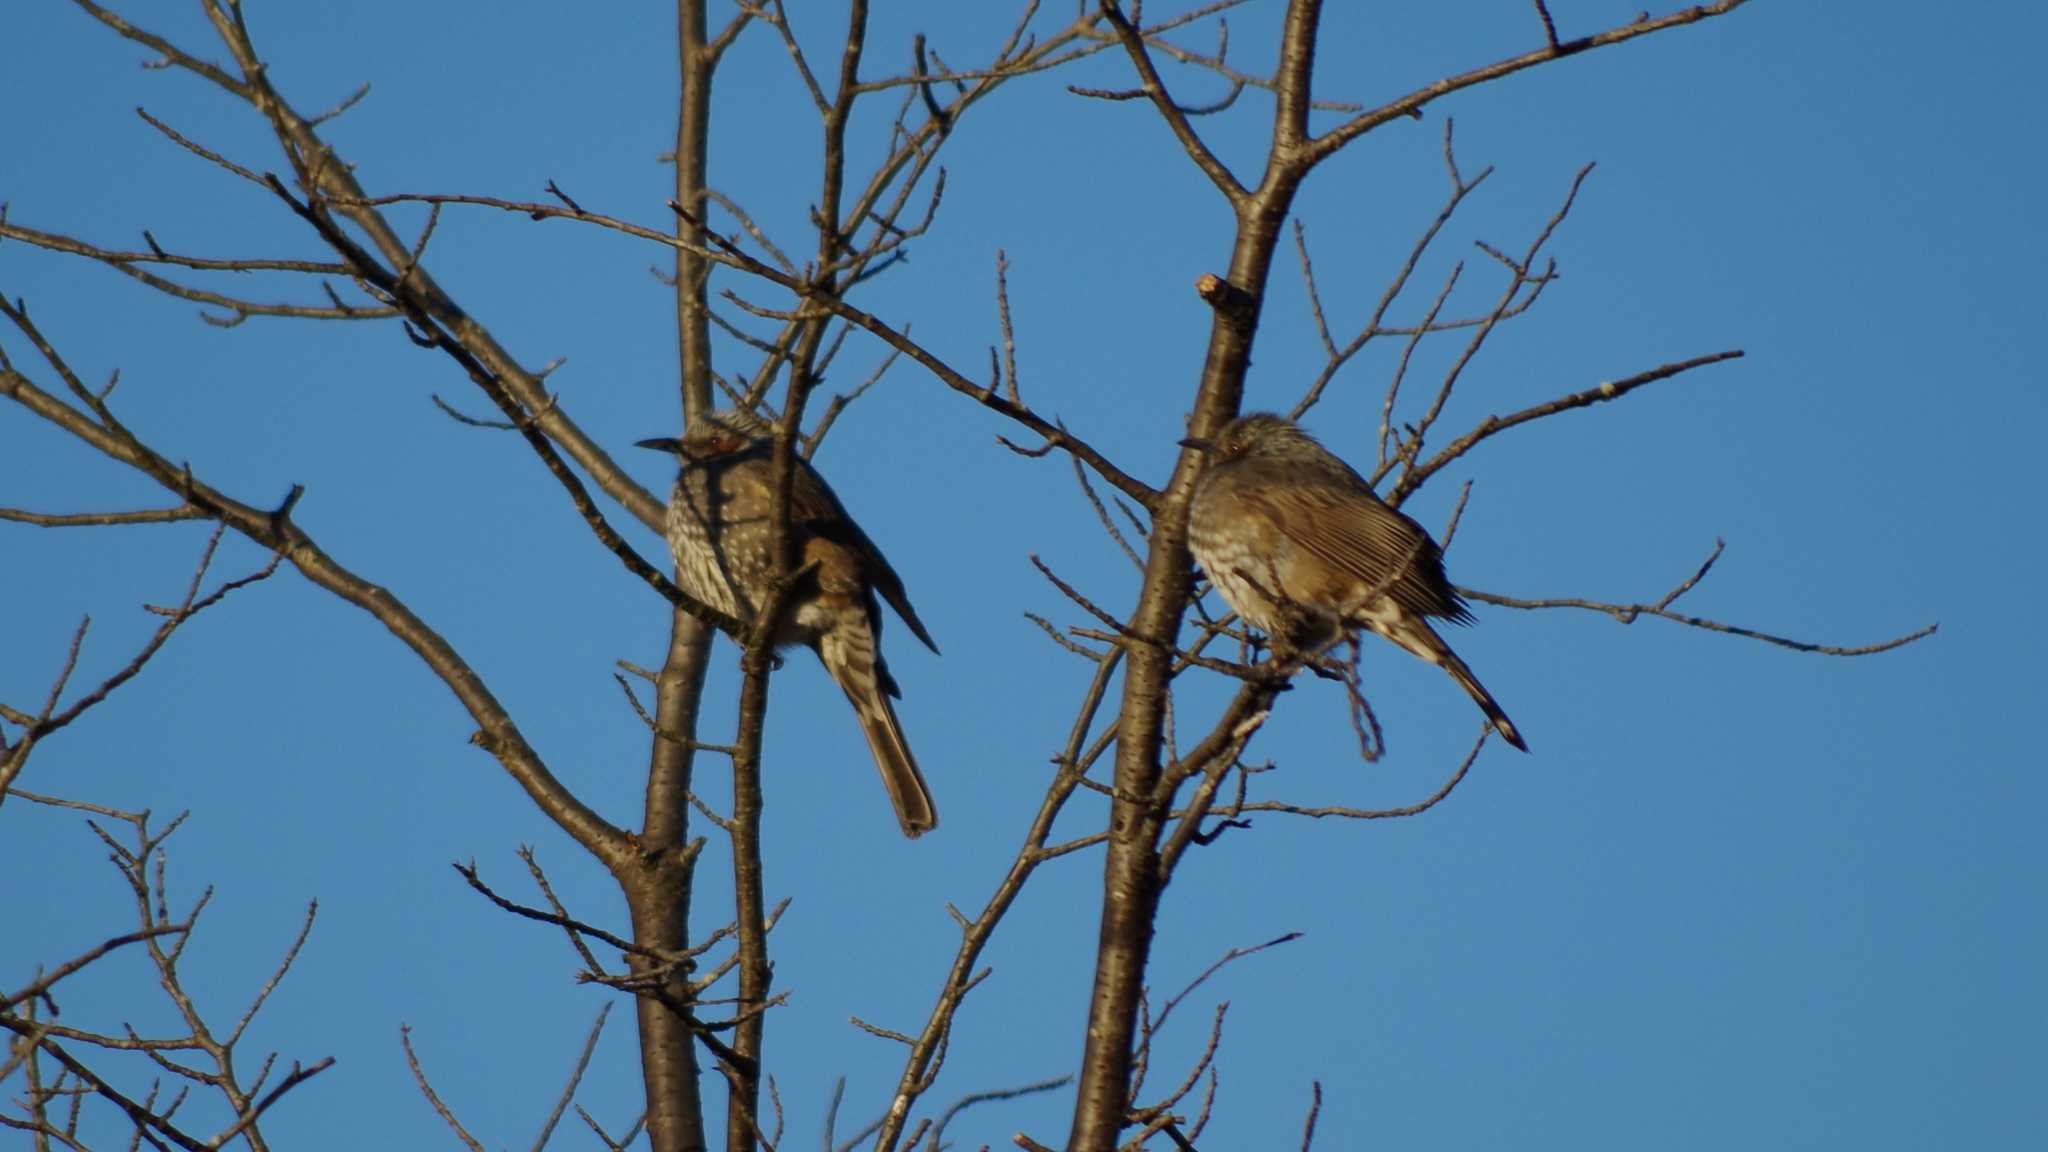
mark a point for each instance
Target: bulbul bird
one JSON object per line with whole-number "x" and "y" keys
{"x": 1303, "y": 550}
{"x": 719, "y": 527}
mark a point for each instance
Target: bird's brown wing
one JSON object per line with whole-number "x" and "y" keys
{"x": 1362, "y": 536}
{"x": 814, "y": 505}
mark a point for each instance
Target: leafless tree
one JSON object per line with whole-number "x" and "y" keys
{"x": 761, "y": 321}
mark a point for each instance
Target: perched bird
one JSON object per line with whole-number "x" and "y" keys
{"x": 719, "y": 528}
{"x": 1303, "y": 550}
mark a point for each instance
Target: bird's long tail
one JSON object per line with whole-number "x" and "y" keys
{"x": 857, "y": 669}
{"x": 907, "y": 789}
{"x": 1418, "y": 637}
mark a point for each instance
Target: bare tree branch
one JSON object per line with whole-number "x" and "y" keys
{"x": 44, "y": 983}
{"x": 1322, "y": 147}
{"x": 547, "y": 1128}
{"x": 1413, "y": 477}
{"x": 82, "y": 519}
{"x": 141, "y": 864}
{"x": 274, "y": 529}
{"x": 13, "y": 758}
{"x": 1661, "y": 609}
{"x": 1175, "y": 115}
{"x": 1315, "y": 1108}
{"x": 419, "y": 1076}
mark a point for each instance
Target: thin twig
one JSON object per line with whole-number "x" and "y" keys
{"x": 47, "y": 981}
{"x": 547, "y": 1128}
{"x": 1174, "y": 114}
{"x": 1413, "y": 477}
{"x": 419, "y": 1076}
{"x": 1315, "y": 1108}
{"x": 84, "y": 519}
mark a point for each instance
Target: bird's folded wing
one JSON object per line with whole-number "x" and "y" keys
{"x": 1362, "y": 536}
{"x": 817, "y": 507}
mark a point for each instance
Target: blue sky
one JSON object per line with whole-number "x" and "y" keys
{"x": 1737, "y": 896}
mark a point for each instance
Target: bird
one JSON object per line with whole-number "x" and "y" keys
{"x": 1301, "y": 548}
{"x": 719, "y": 528}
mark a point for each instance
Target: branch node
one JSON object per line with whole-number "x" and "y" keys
{"x": 1234, "y": 304}
{"x": 281, "y": 516}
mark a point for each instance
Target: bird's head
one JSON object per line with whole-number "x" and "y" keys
{"x": 1255, "y": 434}
{"x": 714, "y": 434}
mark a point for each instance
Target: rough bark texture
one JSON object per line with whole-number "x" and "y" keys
{"x": 658, "y": 890}
{"x": 1132, "y": 879}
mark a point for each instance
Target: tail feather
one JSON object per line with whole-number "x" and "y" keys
{"x": 1480, "y": 696}
{"x": 849, "y": 654}
{"x": 1418, "y": 637}
{"x": 907, "y": 789}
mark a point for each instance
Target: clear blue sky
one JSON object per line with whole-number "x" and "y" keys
{"x": 1737, "y": 897}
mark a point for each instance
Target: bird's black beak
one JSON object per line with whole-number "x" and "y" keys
{"x": 1198, "y": 442}
{"x": 661, "y": 444}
